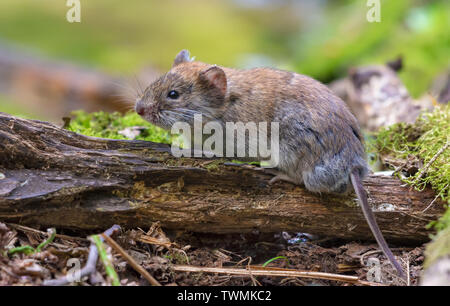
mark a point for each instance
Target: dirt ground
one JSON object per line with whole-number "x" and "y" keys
{"x": 159, "y": 252}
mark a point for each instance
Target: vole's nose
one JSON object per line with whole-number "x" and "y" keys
{"x": 140, "y": 109}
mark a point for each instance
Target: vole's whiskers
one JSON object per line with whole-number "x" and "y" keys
{"x": 140, "y": 88}
{"x": 125, "y": 100}
{"x": 171, "y": 114}
{"x": 124, "y": 88}
{"x": 165, "y": 120}
{"x": 191, "y": 113}
{"x": 126, "y": 94}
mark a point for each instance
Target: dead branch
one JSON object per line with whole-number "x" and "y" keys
{"x": 269, "y": 271}
{"x": 56, "y": 178}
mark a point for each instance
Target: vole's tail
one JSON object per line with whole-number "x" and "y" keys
{"x": 370, "y": 217}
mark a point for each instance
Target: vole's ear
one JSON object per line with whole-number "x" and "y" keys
{"x": 214, "y": 77}
{"x": 182, "y": 57}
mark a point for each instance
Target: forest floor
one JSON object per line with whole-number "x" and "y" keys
{"x": 167, "y": 250}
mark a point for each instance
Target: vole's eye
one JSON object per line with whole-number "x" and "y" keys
{"x": 173, "y": 94}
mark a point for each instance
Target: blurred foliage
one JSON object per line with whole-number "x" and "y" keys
{"x": 10, "y": 107}
{"x": 108, "y": 125}
{"x": 319, "y": 38}
{"x": 124, "y": 36}
{"x": 416, "y": 30}
{"x": 439, "y": 246}
{"x": 423, "y": 140}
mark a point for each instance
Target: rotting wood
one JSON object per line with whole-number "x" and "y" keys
{"x": 56, "y": 178}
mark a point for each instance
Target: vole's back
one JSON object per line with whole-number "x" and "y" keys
{"x": 320, "y": 140}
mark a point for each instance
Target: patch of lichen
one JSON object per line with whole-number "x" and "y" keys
{"x": 108, "y": 125}
{"x": 424, "y": 140}
{"x": 214, "y": 165}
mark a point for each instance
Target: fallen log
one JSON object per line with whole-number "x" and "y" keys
{"x": 51, "y": 177}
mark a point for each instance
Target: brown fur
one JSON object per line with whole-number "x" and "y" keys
{"x": 315, "y": 126}
{"x": 320, "y": 141}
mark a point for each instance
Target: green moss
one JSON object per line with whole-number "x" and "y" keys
{"x": 213, "y": 166}
{"x": 422, "y": 140}
{"x": 443, "y": 222}
{"x": 108, "y": 125}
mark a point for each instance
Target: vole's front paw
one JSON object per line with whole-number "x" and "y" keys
{"x": 278, "y": 176}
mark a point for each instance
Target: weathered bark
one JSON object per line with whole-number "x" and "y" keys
{"x": 53, "y": 177}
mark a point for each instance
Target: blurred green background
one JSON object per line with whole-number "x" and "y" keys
{"x": 319, "y": 38}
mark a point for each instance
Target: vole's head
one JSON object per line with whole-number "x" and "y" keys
{"x": 189, "y": 88}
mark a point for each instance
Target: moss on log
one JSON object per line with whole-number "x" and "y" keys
{"x": 54, "y": 177}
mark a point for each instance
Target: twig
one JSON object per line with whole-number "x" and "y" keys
{"x": 144, "y": 238}
{"x": 266, "y": 271}
{"x": 151, "y": 240}
{"x": 254, "y": 280}
{"x": 131, "y": 261}
{"x": 424, "y": 169}
{"x": 88, "y": 269}
{"x": 432, "y": 202}
{"x": 33, "y": 230}
{"x": 399, "y": 168}
{"x": 408, "y": 280}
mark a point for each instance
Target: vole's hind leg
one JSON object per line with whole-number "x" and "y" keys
{"x": 279, "y": 176}
{"x": 282, "y": 177}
